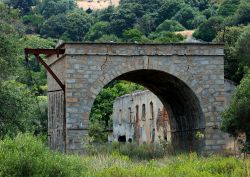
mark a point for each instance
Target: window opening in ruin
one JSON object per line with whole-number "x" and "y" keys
{"x": 122, "y": 138}
{"x": 137, "y": 113}
{"x": 152, "y": 135}
{"x": 151, "y": 110}
{"x": 120, "y": 117}
{"x": 130, "y": 115}
{"x": 143, "y": 116}
{"x": 130, "y": 140}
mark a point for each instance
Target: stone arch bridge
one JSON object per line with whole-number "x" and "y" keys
{"x": 187, "y": 77}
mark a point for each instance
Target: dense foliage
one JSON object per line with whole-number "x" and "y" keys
{"x": 236, "y": 118}
{"x": 27, "y": 156}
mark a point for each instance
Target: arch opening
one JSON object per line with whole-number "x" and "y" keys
{"x": 180, "y": 102}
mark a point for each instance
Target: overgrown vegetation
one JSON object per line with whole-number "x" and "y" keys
{"x": 27, "y": 156}
{"x": 236, "y": 117}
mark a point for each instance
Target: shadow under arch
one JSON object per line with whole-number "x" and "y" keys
{"x": 183, "y": 106}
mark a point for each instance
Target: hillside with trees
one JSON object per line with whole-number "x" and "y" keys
{"x": 40, "y": 24}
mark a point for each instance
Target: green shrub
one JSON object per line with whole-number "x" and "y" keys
{"x": 170, "y": 25}
{"x": 27, "y": 156}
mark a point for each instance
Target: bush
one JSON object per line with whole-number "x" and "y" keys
{"x": 165, "y": 37}
{"x": 170, "y": 25}
{"x": 27, "y": 156}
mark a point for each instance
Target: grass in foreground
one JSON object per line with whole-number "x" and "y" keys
{"x": 27, "y": 156}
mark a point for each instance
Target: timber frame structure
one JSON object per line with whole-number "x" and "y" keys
{"x": 49, "y": 52}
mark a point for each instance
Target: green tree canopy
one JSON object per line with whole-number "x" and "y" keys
{"x": 49, "y": 8}
{"x": 17, "y": 110}
{"x": 170, "y": 25}
{"x": 242, "y": 15}
{"x": 70, "y": 26}
{"x": 9, "y": 44}
{"x": 98, "y": 30}
{"x": 23, "y": 5}
{"x": 169, "y": 9}
{"x": 243, "y": 46}
{"x": 186, "y": 16}
{"x": 208, "y": 30}
{"x": 235, "y": 119}
{"x": 134, "y": 35}
{"x": 147, "y": 23}
{"x": 233, "y": 66}
{"x": 228, "y": 7}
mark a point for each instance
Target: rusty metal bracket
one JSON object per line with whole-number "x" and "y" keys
{"x": 37, "y": 53}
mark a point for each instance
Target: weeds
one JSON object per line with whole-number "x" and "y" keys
{"x": 27, "y": 156}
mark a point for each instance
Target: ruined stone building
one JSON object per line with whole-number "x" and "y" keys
{"x": 140, "y": 117}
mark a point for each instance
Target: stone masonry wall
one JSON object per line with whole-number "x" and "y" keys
{"x": 196, "y": 68}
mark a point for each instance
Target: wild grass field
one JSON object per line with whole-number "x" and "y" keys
{"x": 27, "y": 155}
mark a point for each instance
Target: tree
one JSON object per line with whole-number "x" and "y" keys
{"x": 228, "y": 7}
{"x": 236, "y": 118}
{"x": 242, "y": 15}
{"x": 23, "y": 5}
{"x": 33, "y": 22}
{"x": 71, "y": 26}
{"x": 134, "y": 35}
{"x": 208, "y": 30}
{"x": 200, "y": 4}
{"x": 198, "y": 20}
{"x": 170, "y": 25}
{"x": 233, "y": 66}
{"x": 49, "y": 8}
{"x": 147, "y": 23}
{"x": 168, "y": 10}
{"x": 17, "y": 110}
{"x": 243, "y": 46}
{"x": 105, "y": 14}
{"x": 37, "y": 72}
{"x": 54, "y": 27}
{"x": 186, "y": 16}
{"x": 77, "y": 25}
{"x": 9, "y": 44}
{"x": 121, "y": 20}
{"x": 97, "y": 30}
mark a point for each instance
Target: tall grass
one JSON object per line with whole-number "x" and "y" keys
{"x": 27, "y": 156}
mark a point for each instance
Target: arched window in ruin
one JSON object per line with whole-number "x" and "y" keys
{"x": 151, "y": 110}
{"x": 143, "y": 115}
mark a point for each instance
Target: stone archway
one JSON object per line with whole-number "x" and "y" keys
{"x": 188, "y": 77}
{"x": 181, "y": 103}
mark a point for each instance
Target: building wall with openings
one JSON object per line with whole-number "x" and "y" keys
{"x": 140, "y": 117}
